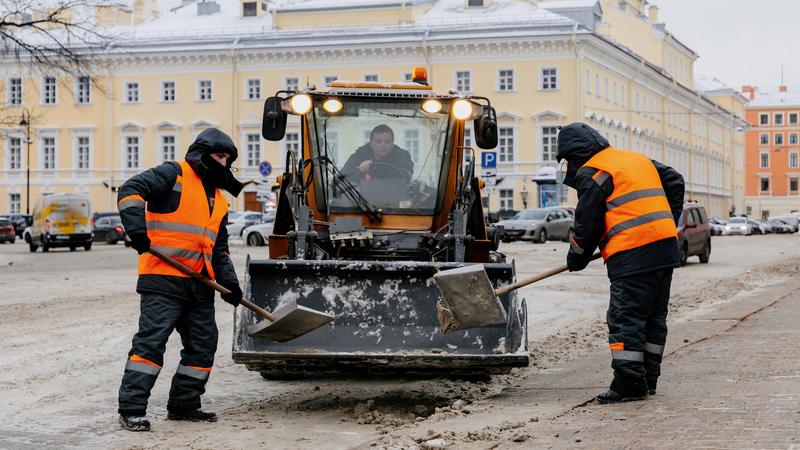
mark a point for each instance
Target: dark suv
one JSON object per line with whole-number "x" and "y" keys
{"x": 694, "y": 233}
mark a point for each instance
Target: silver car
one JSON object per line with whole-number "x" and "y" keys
{"x": 538, "y": 225}
{"x": 739, "y": 225}
{"x": 257, "y": 235}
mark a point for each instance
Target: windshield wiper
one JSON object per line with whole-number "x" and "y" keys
{"x": 351, "y": 191}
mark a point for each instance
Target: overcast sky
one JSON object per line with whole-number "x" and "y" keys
{"x": 739, "y": 41}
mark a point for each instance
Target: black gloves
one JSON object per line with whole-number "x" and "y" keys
{"x": 140, "y": 242}
{"x": 576, "y": 262}
{"x": 235, "y": 296}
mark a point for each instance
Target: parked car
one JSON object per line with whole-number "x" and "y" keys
{"x": 108, "y": 229}
{"x": 717, "y": 226}
{"x": 97, "y": 215}
{"x": 7, "y": 233}
{"x": 569, "y": 209}
{"x": 539, "y": 225}
{"x": 238, "y": 221}
{"x": 766, "y": 226}
{"x": 258, "y": 235}
{"x": 791, "y": 219}
{"x": 61, "y": 220}
{"x": 20, "y": 222}
{"x": 739, "y": 225}
{"x": 758, "y": 228}
{"x": 694, "y": 233}
{"x": 781, "y": 226}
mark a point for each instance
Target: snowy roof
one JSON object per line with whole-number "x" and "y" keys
{"x": 309, "y": 5}
{"x": 773, "y": 97}
{"x": 710, "y": 84}
{"x": 568, "y": 4}
{"x": 446, "y": 12}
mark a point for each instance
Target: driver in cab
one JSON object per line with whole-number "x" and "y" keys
{"x": 380, "y": 158}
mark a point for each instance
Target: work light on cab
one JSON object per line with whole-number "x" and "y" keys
{"x": 432, "y": 106}
{"x": 300, "y": 104}
{"x": 462, "y": 109}
{"x": 332, "y": 105}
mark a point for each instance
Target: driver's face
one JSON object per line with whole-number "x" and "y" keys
{"x": 381, "y": 144}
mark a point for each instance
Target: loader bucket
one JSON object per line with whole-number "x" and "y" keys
{"x": 385, "y": 320}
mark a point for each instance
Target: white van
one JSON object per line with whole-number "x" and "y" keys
{"x": 62, "y": 220}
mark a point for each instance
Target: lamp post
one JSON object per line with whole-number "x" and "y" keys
{"x": 524, "y": 195}
{"x": 26, "y": 122}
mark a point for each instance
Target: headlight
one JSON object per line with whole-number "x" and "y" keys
{"x": 300, "y": 104}
{"x": 332, "y": 105}
{"x": 462, "y": 109}
{"x": 432, "y": 106}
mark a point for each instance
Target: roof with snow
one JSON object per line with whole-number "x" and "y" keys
{"x": 774, "y": 98}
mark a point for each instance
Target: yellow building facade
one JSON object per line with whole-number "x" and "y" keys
{"x": 182, "y": 69}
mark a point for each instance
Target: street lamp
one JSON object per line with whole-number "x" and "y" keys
{"x": 26, "y": 122}
{"x": 524, "y": 195}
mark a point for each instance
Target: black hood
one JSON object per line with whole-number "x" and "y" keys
{"x": 212, "y": 140}
{"x": 577, "y": 143}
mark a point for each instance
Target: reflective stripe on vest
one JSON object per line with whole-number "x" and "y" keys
{"x": 130, "y": 201}
{"x": 637, "y": 212}
{"x": 187, "y": 234}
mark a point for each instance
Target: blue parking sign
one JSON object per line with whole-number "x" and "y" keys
{"x": 489, "y": 160}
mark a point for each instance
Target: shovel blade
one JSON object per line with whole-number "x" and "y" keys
{"x": 470, "y": 298}
{"x": 291, "y": 321}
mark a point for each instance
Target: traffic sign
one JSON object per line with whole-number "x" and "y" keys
{"x": 488, "y": 160}
{"x": 265, "y": 168}
{"x": 490, "y": 181}
{"x": 488, "y": 173}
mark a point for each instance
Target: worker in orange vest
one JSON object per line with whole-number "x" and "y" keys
{"x": 628, "y": 206}
{"x": 178, "y": 208}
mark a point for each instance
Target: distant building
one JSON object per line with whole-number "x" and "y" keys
{"x": 772, "y": 146}
{"x": 182, "y": 66}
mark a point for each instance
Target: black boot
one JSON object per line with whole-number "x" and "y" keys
{"x": 193, "y": 415}
{"x": 134, "y": 423}
{"x": 610, "y": 396}
{"x": 651, "y": 387}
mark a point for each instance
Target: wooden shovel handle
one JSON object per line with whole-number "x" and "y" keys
{"x": 535, "y": 278}
{"x": 210, "y": 283}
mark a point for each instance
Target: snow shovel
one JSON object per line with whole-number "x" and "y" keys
{"x": 471, "y": 299}
{"x": 288, "y": 322}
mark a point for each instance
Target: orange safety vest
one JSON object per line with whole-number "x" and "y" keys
{"x": 637, "y": 212}
{"x": 188, "y": 234}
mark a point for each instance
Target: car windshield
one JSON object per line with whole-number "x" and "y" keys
{"x": 531, "y": 214}
{"x": 234, "y": 215}
{"x": 737, "y": 220}
{"x": 384, "y": 155}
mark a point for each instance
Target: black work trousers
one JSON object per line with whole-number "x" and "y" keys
{"x": 637, "y": 330}
{"x": 193, "y": 317}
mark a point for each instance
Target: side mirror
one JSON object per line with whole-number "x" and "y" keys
{"x": 273, "y": 124}
{"x": 486, "y": 129}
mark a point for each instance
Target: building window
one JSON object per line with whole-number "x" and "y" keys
{"x": 168, "y": 147}
{"x": 607, "y": 90}
{"x": 793, "y": 185}
{"x": 614, "y": 94}
{"x": 622, "y": 95}
{"x": 249, "y": 9}
{"x": 794, "y": 163}
{"x": 254, "y": 89}
{"x": 290, "y": 141}
{"x": 467, "y": 137}
{"x": 638, "y": 104}
{"x": 330, "y": 79}
{"x": 588, "y": 81}
{"x": 14, "y": 153}
{"x": 132, "y": 92}
{"x": 793, "y": 119}
{"x": 82, "y": 152}
{"x": 167, "y": 91}
{"x": 597, "y": 85}
{"x": 474, "y": 3}
{"x": 205, "y": 91}
{"x": 763, "y": 139}
{"x": 49, "y": 91}
{"x": 411, "y": 142}
{"x": 505, "y": 80}
{"x": 463, "y": 82}
{"x": 763, "y": 160}
{"x": 291, "y": 83}
{"x": 505, "y": 144}
{"x": 778, "y": 139}
{"x": 778, "y": 119}
{"x": 763, "y": 119}
{"x": 48, "y": 153}
{"x": 549, "y": 136}
{"x": 14, "y": 97}
{"x": 253, "y": 150}
{"x": 506, "y": 199}
{"x": 764, "y": 184}
{"x": 132, "y": 152}
{"x": 371, "y": 78}
{"x": 549, "y": 79}
{"x": 793, "y": 138}
{"x": 83, "y": 90}
{"x": 13, "y": 203}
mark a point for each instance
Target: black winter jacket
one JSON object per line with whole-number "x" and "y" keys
{"x": 399, "y": 159}
{"x": 590, "y": 215}
{"x": 155, "y": 186}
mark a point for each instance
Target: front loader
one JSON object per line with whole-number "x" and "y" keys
{"x": 364, "y": 245}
